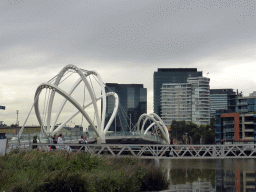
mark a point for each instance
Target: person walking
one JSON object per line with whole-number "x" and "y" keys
{"x": 83, "y": 140}
{"x": 87, "y": 132}
{"x": 52, "y": 147}
{"x": 60, "y": 141}
{"x": 171, "y": 154}
{"x": 34, "y": 141}
{"x": 54, "y": 141}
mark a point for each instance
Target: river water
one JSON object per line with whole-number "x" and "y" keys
{"x": 210, "y": 174}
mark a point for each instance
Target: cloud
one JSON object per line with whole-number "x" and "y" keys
{"x": 125, "y": 41}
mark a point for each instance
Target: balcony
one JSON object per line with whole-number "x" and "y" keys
{"x": 242, "y": 110}
{"x": 228, "y": 122}
{"x": 228, "y": 130}
{"x": 242, "y": 103}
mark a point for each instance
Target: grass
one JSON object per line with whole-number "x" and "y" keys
{"x": 25, "y": 131}
{"x": 61, "y": 171}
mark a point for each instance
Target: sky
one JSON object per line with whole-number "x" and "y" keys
{"x": 125, "y": 41}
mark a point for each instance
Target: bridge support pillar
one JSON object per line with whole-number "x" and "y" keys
{"x": 101, "y": 140}
{"x": 214, "y": 153}
{"x": 222, "y": 151}
{"x": 156, "y": 162}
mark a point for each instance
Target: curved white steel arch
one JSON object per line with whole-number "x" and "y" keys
{"x": 87, "y": 105}
{"x": 64, "y": 102}
{"x": 100, "y": 130}
{"x": 152, "y": 124}
{"x": 74, "y": 87}
{"x": 84, "y": 79}
{"x": 70, "y": 99}
{"x": 158, "y": 123}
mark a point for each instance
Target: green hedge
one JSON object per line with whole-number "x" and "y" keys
{"x": 61, "y": 171}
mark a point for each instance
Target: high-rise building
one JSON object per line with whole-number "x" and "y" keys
{"x": 222, "y": 99}
{"x": 132, "y": 104}
{"x": 200, "y": 100}
{"x": 176, "y": 102}
{"x": 170, "y": 75}
{"x": 186, "y": 101}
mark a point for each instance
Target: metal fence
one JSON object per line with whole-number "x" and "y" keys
{"x": 154, "y": 151}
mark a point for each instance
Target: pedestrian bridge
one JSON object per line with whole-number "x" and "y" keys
{"x": 161, "y": 151}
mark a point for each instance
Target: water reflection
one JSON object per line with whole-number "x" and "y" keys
{"x": 211, "y": 175}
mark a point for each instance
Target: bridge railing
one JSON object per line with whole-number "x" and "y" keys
{"x": 153, "y": 151}
{"x": 135, "y": 134}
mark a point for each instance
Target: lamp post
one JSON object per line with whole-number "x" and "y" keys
{"x": 17, "y": 122}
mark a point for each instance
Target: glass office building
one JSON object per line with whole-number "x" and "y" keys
{"x": 132, "y": 104}
{"x": 246, "y": 104}
{"x": 222, "y": 99}
{"x": 170, "y": 75}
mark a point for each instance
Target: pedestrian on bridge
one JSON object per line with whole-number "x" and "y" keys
{"x": 60, "y": 141}
{"x": 34, "y": 141}
{"x": 87, "y": 132}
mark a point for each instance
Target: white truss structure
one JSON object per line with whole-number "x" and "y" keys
{"x": 161, "y": 151}
{"x": 156, "y": 123}
{"x": 179, "y": 151}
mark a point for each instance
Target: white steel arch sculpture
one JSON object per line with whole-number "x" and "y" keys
{"x": 50, "y": 127}
{"x": 156, "y": 121}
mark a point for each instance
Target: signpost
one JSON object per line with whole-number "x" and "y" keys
{"x": 2, "y": 107}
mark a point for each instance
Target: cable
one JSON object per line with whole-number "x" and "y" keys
{"x": 120, "y": 121}
{"x": 22, "y": 128}
{"x": 67, "y": 76}
{"x": 97, "y": 80}
{"x": 52, "y": 79}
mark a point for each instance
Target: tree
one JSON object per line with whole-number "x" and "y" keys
{"x": 180, "y": 128}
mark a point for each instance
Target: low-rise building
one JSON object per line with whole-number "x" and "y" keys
{"x": 236, "y": 127}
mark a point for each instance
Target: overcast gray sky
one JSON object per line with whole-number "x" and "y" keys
{"x": 125, "y": 41}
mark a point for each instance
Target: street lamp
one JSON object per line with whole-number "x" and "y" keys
{"x": 17, "y": 122}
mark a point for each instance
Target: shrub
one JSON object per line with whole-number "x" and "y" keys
{"x": 61, "y": 171}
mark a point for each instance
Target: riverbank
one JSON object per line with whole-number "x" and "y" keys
{"x": 61, "y": 171}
